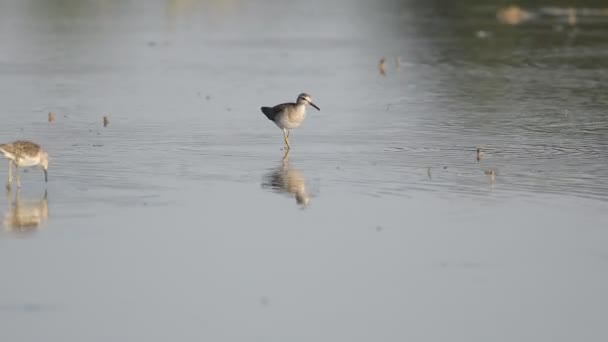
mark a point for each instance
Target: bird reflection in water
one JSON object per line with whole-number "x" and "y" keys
{"x": 288, "y": 180}
{"x": 25, "y": 215}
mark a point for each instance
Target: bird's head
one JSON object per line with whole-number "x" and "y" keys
{"x": 306, "y": 99}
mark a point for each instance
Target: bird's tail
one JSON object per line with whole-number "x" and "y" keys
{"x": 268, "y": 112}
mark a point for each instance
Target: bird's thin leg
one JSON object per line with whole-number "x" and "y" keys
{"x": 18, "y": 197}
{"x": 286, "y": 136}
{"x": 10, "y": 173}
{"x": 17, "y": 175}
{"x": 288, "y": 131}
{"x": 9, "y": 196}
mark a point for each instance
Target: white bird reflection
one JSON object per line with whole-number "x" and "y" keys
{"x": 25, "y": 215}
{"x": 288, "y": 180}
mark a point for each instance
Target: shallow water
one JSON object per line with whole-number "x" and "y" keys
{"x": 182, "y": 220}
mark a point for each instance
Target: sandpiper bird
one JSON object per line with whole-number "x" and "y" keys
{"x": 23, "y": 153}
{"x": 288, "y": 116}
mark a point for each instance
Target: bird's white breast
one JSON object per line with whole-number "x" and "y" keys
{"x": 295, "y": 117}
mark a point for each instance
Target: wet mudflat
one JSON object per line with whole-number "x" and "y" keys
{"x": 183, "y": 219}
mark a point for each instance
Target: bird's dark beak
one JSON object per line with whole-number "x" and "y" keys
{"x": 46, "y": 176}
{"x": 314, "y": 105}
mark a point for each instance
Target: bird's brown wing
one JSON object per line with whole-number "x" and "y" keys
{"x": 271, "y": 112}
{"x": 21, "y": 147}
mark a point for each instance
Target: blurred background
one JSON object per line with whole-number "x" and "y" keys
{"x": 452, "y": 186}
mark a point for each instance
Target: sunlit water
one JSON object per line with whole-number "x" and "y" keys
{"x": 181, "y": 220}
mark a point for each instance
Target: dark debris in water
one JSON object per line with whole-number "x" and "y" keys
{"x": 394, "y": 149}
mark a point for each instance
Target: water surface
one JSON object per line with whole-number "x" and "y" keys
{"x": 182, "y": 219}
